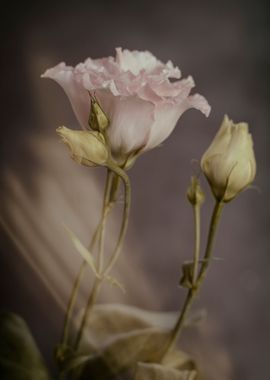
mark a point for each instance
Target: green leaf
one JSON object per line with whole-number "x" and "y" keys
{"x": 89, "y": 258}
{"x": 20, "y": 358}
{"x": 83, "y": 251}
{"x": 151, "y": 371}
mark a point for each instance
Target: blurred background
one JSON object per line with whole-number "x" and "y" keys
{"x": 225, "y": 46}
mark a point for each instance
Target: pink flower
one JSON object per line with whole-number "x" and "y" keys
{"x": 134, "y": 90}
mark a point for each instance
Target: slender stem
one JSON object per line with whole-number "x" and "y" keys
{"x": 80, "y": 274}
{"x": 194, "y": 290}
{"x": 107, "y": 205}
{"x": 90, "y": 303}
{"x": 98, "y": 281}
{"x": 71, "y": 303}
{"x": 210, "y": 241}
{"x": 125, "y": 218}
{"x": 196, "y": 258}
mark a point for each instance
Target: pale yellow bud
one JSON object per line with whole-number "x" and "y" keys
{"x": 195, "y": 193}
{"x": 86, "y": 148}
{"x": 98, "y": 120}
{"x": 229, "y": 163}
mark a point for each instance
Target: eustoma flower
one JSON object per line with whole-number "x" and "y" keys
{"x": 135, "y": 92}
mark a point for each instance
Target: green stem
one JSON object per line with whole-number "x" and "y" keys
{"x": 90, "y": 303}
{"x": 194, "y": 290}
{"x": 78, "y": 280}
{"x": 196, "y": 258}
{"x": 107, "y": 205}
{"x": 127, "y": 188}
{"x": 71, "y": 303}
{"x": 98, "y": 281}
{"x": 210, "y": 241}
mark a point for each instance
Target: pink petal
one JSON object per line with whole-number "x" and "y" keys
{"x": 135, "y": 61}
{"x": 131, "y": 120}
{"x": 77, "y": 95}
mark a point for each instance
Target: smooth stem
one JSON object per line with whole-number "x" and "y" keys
{"x": 196, "y": 258}
{"x": 107, "y": 205}
{"x": 72, "y": 302}
{"x": 98, "y": 281}
{"x": 194, "y": 290}
{"x": 127, "y": 188}
{"x": 209, "y": 247}
{"x": 90, "y": 303}
{"x": 78, "y": 280}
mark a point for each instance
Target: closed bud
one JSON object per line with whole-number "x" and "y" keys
{"x": 86, "y": 148}
{"x": 195, "y": 194}
{"x": 229, "y": 163}
{"x": 98, "y": 120}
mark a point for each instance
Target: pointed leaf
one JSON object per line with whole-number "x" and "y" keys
{"x": 83, "y": 251}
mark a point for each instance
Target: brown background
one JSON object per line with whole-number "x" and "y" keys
{"x": 225, "y": 46}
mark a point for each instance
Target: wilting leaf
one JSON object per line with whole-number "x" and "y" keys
{"x": 110, "y": 320}
{"x": 20, "y": 358}
{"x": 117, "y": 337}
{"x": 151, "y": 371}
{"x": 179, "y": 360}
{"x": 121, "y": 353}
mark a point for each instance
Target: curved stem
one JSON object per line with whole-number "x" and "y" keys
{"x": 194, "y": 290}
{"x": 78, "y": 280}
{"x": 115, "y": 254}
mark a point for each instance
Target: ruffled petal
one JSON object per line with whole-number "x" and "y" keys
{"x": 134, "y": 89}
{"x": 199, "y": 103}
{"x": 136, "y": 61}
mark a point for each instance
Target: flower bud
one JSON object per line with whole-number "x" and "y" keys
{"x": 87, "y": 148}
{"x": 195, "y": 194}
{"x": 229, "y": 163}
{"x": 98, "y": 120}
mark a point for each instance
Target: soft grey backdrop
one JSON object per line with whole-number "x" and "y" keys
{"x": 225, "y": 46}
